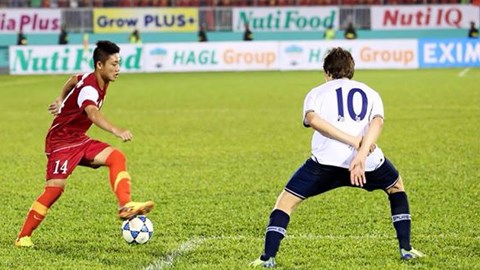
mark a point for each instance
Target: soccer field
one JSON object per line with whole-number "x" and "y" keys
{"x": 213, "y": 150}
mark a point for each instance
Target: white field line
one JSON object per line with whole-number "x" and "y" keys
{"x": 463, "y": 72}
{"x": 167, "y": 261}
{"x": 192, "y": 244}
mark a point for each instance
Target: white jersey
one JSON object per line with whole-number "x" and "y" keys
{"x": 349, "y": 106}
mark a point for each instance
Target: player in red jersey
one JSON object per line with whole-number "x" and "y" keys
{"x": 67, "y": 145}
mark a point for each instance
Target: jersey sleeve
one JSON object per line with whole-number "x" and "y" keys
{"x": 377, "y": 107}
{"x": 308, "y": 106}
{"x": 87, "y": 96}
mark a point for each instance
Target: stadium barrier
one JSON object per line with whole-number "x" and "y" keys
{"x": 251, "y": 56}
{"x": 151, "y": 22}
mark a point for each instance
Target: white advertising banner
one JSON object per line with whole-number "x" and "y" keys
{"x": 423, "y": 17}
{"x": 30, "y": 20}
{"x": 215, "y": 56}
{"x": 371, "y": 54}
{"x": 67, "y": 59}
{"x": 285, "y": 19}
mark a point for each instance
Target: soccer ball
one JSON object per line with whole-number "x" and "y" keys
{"x": 137, "y": 230}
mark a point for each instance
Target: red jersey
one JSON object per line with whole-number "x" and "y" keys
{"x": 71, "y": 123}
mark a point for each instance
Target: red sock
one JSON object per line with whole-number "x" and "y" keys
{"x": 119, "y": 177}
{"x": 39, "y": 209}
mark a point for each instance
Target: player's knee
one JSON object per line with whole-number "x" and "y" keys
{"x": 287, "y": 202}
{"x": 116, "y": 157}
{"x": 397, "y": 187}
{"x": 57, "y": 183}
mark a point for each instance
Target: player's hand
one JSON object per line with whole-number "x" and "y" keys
{"x": 54, "y": 107}
{"x": 357, "y": 171}
{"x": 124, "y": 134}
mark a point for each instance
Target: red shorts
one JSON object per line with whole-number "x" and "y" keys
{"x": 62, "y": 163}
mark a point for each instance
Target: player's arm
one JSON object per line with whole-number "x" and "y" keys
{"x": 313, "y": 120}
{"x": 99, "y": 120}
{"x": 373, "y": 133}
{"x": 357, "y": 166}
{"x": 54, "y": 107}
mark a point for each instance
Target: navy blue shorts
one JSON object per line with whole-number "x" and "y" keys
{"x": 313, "y": 178}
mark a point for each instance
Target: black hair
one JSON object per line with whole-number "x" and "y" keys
{"x": 103, "y": 51}
{"x": 339, "y": 64}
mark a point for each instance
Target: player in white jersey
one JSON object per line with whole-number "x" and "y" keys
{"x": 347, "y": 119}
{"x": 349, "y": 106}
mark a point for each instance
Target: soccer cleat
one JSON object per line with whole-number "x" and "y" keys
{"x": 133, "y": 209}
{"x": 410, "y": 254}
{"x": 270, "y": 263}
{"x": 25, "y": 241}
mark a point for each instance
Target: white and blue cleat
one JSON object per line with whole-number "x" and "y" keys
{"x": 410, "y": 254}
{"x": 270, "y": 263}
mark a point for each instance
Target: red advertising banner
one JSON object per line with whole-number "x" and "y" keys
{"x": 424, "y": 17}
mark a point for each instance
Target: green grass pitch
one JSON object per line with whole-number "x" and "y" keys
{"x": 213, "y": 150}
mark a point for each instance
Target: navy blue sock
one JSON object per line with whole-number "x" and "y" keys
{"x": 401, "y": 218}
{"x": 276, "y": 230}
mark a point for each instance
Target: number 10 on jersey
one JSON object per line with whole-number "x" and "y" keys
{"x": 351, "y": 110}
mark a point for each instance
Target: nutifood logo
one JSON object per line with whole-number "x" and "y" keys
{"x": 285, "y": 19}
{"x": 48, "y": 60}
{"x": 61, "y": 59}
